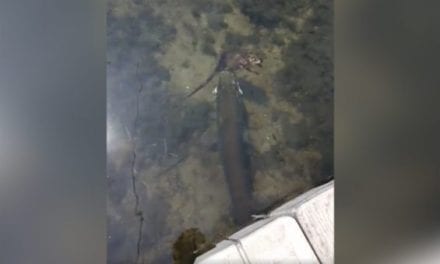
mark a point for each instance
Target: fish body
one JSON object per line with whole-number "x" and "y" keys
{"x": 231, "y": 125}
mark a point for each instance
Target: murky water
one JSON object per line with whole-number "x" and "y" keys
{"x": 166, "y": 183}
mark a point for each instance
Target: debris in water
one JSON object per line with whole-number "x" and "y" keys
{"x": 190, "y": 244}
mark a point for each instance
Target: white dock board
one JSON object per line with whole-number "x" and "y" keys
{"x": 224, "y": 252}
{"x": 292, "y": 206}
{"x": 314, "y": 212}
{"x": 279, "y": 240}
{"x": 316, "y": 218}
{"x": 293, "y": 233}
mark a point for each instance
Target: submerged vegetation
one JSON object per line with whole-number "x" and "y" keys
{"x": 307, "y": 81}
{"x": 236, "y": 41}
{"x": 281, "y": 13}
{"x": 183, "y": 124}
{"x": 156, "y": 54}
{"x": 264, "y": 13}
{"x": 140, "y": 33}
{"x": 217, "y": 22}
{"x": 210, "y": 7}
{"x": 190, "y": 244}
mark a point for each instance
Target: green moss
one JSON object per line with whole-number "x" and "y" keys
{"x": 277, "y": 39}
{"x": 143, "y": 33}
{"x": 307, "y": 81}
{"x": 297, "y": 135}
{"x": 212, "y": 6}
{"x": 216, "y": 22}
{"x": 208, "y": 38}
{"x": 194, "y": 43}
{"x": 263, "y": 13}
{"x": 183, "y": 123}
{"x": 223, "y": 7}
{"x": 185, "y": 64}
{"x": 189, "y": 29}
{"x": 208, "y": 44}
{"x": 271, "y": 14}
{"x": 190, "y": 244}
{"x": 154, "y": 29}
{"x": 195, "y": 13}
{"x": 290, "y": 25}
{"x": 271, "y": 159}
{"x": 235, "y": 41}
{"x": 208, "y": 49}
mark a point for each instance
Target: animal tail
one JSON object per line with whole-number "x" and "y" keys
{"x": 202, "y": 85}
{"x": 221, "y": 64}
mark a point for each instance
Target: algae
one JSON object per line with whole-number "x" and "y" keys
{"x": 190, "y": 244}
{"x": 157, "y": 52}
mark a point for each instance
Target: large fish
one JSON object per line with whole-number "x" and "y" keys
{"x": 231, "y": 125}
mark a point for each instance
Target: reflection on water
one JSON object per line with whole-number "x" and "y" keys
{"x": 166, "y": 183}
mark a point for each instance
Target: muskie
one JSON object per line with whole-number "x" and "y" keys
{"x": 231, "y": 124}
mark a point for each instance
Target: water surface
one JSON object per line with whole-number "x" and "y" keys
{"x": 165, "y": 178}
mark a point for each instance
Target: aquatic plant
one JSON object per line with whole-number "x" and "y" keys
{"x": 297, "y": 135}
{"x": 211, "y": 7}
{"x": 235, "y": 41}
{"x": 214, "y": 12}
{"x": 221, "y": 7}
{"x": 264, "y": 13}
{"x": 277, "y": 39}
{"x": 190, "y": 244}
{"x": 216, "y": 22}
{"x": 308, "y": 73}
{"x": 142, "y": 33}
{"x": 184, "y": 122}
{"x": 208, "y": 44}
{"x": 185, "y": 64}
{"x": 189, "y": 29}
{"x": 271, "y": 14}
{"x": 195, "y": 13}
{"x": 208, "y": 37}
{"x": 306, "y": 80}
{"x": 208, "y": 49}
